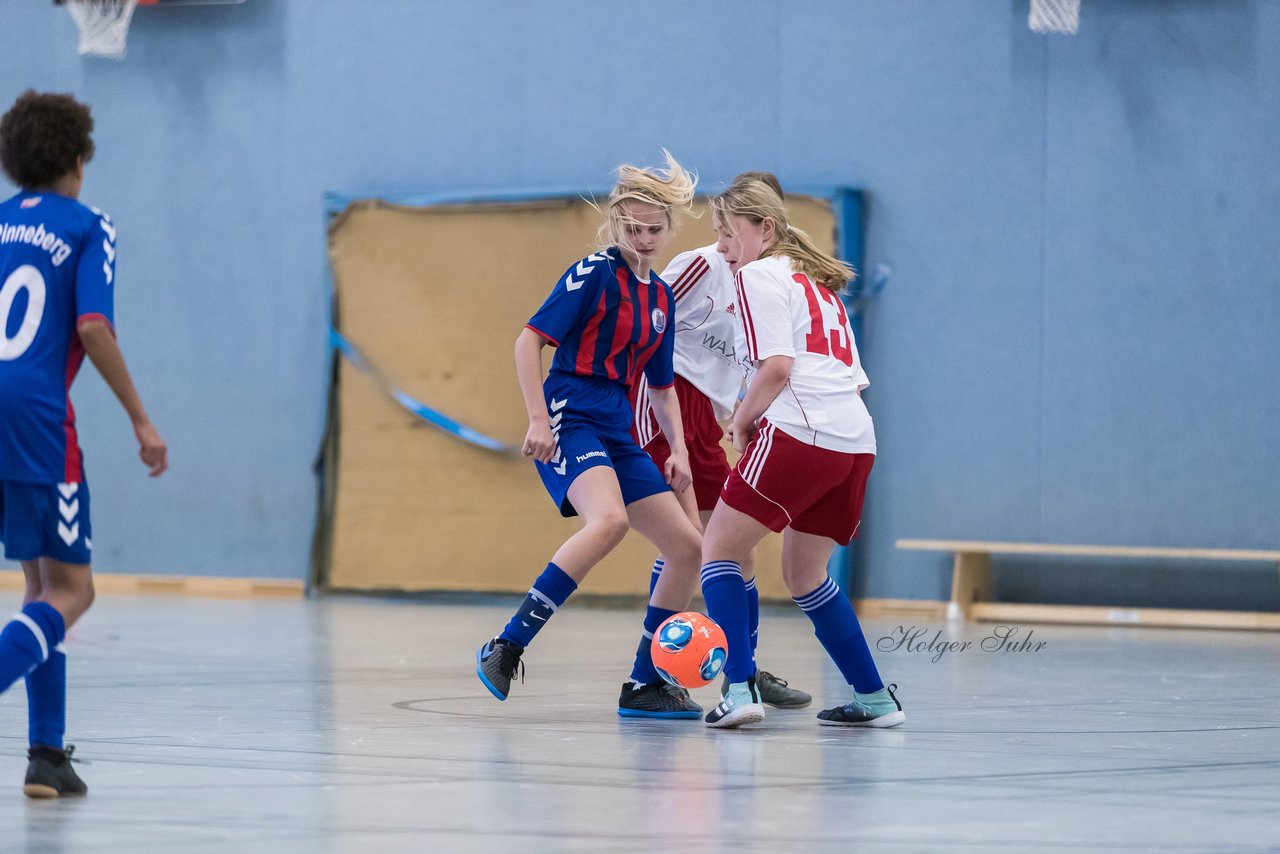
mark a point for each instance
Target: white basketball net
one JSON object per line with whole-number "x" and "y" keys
{"x": 103, "y": 25}
{"x": 1054, "y": 16}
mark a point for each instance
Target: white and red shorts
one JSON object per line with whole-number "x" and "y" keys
{"x": 702, "y": 435}
{"x": 782, "y": 482}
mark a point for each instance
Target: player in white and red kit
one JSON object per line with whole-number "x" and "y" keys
{"x": 808, "y": 445}
{"x": 709, "y": 373}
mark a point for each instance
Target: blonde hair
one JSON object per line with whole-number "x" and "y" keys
{"x": 756, "y": 200}
{"x": 669, "y": 189}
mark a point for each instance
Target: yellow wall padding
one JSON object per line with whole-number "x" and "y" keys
{"x": 435, "y": 297}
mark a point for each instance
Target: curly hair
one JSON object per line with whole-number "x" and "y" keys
{"x": 42, "y": 136}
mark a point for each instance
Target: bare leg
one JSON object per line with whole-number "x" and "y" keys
{"x": 749, "y": 565}
{"x": 31, "y": 575}
{"x": 664, "y": 522}
{"x": 731, "y": 535}
{"x": 598, "y": 499}
{"x": 804, "y": 561}
{"x": 68, "y": 587}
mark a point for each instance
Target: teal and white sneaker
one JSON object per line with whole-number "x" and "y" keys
{"x": 879, "y": 709}
{"x": 740, "y": 705}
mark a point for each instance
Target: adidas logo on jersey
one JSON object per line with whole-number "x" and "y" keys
{"x": 731, "y": 309}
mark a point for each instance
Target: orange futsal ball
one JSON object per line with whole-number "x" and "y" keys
{"x": 689, "y": 649}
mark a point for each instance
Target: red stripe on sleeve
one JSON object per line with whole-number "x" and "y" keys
{"x": 95, "y": 316}
{"x": 543, "y": 334}
{"x": 690, "y": 277}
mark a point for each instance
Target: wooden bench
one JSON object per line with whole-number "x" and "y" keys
{"x": 971, "y": 587}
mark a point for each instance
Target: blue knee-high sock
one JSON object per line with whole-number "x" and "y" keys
{"x": 841, "y": 636}
{"x": 643, "y": 670}
{"x": 47, "y": 700}
{"x": 726, "y": 596}
{"x": 546, "y": 595}
{"x": 653, "y": 576}
{"x": 753, "y": 612}
{"x": 27, "y": 640}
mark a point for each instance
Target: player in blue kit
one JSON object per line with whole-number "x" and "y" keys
{"x": 57, "y": 271}
{"x": 609, "y": 317}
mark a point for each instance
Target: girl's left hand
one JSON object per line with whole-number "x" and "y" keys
{"x": 677, "y": 472}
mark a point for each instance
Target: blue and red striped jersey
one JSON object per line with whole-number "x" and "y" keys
{"x": 57, "y": 264}
{"x": 607, "y": 323}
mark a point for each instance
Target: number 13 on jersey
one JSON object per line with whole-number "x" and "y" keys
{"x": 829, "y": 333}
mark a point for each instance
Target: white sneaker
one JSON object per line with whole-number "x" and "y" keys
{"x": 740, "y": 705}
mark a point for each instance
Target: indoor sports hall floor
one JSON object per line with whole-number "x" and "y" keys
{"x": 348, "y": 724}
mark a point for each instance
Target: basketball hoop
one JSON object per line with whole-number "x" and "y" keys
{"x": 103, "y": 24}
{"x": 1054, "y": 16}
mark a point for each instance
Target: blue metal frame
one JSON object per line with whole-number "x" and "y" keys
{"x": 846, "y": 205}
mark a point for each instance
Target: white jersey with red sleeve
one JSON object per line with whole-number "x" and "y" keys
{"x": 707, "y": 326}
{"x": 785, "y": 313}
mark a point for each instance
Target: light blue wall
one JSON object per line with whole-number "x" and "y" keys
{"x": 1077, "y": 343}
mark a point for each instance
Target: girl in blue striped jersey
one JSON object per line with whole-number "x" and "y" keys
{"x": 610, "y": 318}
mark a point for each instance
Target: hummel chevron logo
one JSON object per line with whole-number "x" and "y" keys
{"x": 69, "y": 535}
{"x": 583, "y": 270}
{"x": 556, "y": 406}
{"x": 69, "y": 511}
{"x": 68, "y": 489}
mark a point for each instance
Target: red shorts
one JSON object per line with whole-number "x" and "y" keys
{"x": 782, "y": 482}
{"x": 702, "y": 435}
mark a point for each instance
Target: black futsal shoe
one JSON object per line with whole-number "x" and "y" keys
{"x": 656, "y": 700}
{"x": 50, "y": 775}
{"x": 496, "y": 665}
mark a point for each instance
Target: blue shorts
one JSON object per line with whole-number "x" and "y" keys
{"x": 592, "y": 422}
{"x": 45, "y": 520}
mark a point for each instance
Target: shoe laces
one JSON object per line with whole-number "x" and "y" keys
{"x": 766, "y": 676}
{"x": 509, "y": 662}
{"x": 71, "y": 748}
{"x": 58, "y": 756}
{"x": 676, "y": 691}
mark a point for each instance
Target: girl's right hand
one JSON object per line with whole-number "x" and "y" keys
{"x": 539, "y": 442}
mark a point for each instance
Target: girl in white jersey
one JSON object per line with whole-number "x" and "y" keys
{"x": 808, "y": 446}
{"x": 709, "y": 369}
